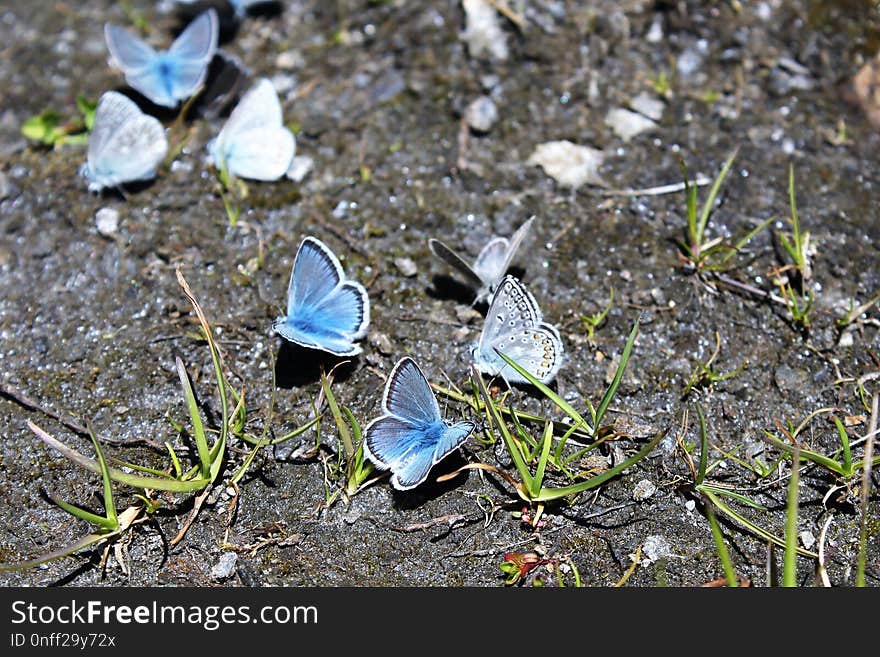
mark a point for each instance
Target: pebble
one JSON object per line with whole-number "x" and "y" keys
{"x": 382, "y": 343}
{"x": 643, "y": 490}
{"x": 483, "y": 33}
{"x": 406, "y": 267}
{"x": 790, "y": 379}
{"x": 656, "y": 547}
{"x": 690, "y": 505}
{"x": 300, "y": 167}
{"x": 7, "y": 188}
{"x": 627, "y": 124}
{"x": 107, "y": 221}
{"x": 290, "y": 59}
{"x": 481, "y": 114}
{"x": 568, "y": 163}
{"x": 807, "y": 539}
{"x": 646, "y": 105}
{"x": 225, "y": 567}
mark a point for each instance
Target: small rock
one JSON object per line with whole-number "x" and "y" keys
{"x": 465, "y": 314}
{"x": 627, "y": 124}
{"x": 460, "y": 334}
{"x": 290, "y": 59}
{"x": 107, "y": 221}
{"x": 690, "y": 505}
{"x": 647, "y": 105}
{"x": 300, "y": 167}
{"x": 644, "y": 489}
{"x": 341, "y": 209}
{"x": 225, "y": 567}
{"x": 406, "y": 267}
{"x": 690, "y": 60}
{"x": 382, "y": 343}
{"x": 483, "y": 33}
{"x": 481, "y": 114}
{"x": 568, "y": 163}
{"x": 7, "y": 188}
{"x": 790, "y": 379}
{"x": 655, "y": 547}
{"x": 807, "y": 539}
{"x": 655, "y": 33}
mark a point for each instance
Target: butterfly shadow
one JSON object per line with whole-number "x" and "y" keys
{"x": 225, "y": 81}
{"x": 297, "y": 366}
{"x": 431, "y": 489}
{"x": 448, "y": 288}
{"x": 230, "y": 22}
{"x": 147, "y": 106}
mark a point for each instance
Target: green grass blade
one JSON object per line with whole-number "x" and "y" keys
{"x": 546, "y": 442}
{"x": 341, "y": 426}
{"x": 819, "y": 459}
{"x": 135, "y": 481}
{"x": 720, "y": 547}
{"x": 175, "y": 462}
{"x": 618, "y": 376}
{"x": 704, "y": 447}
{"x": 733, "y": 495}
{"x": 798, "y": 246}
{"x": 789, "y": 569}
{"x": 109, "y": 507}
{"x": 512, "y": 447}
{"x": 195, "y": 417}
{"x": 861, "y": 564}
{"x": 67, "y": 550}
{"x": 844, "y": 443}
{"x": 558, "y": 401}
{"x": 88, "y": 516}
{"x": 547, "y": 494}
{"x": 713, "y": 193}
{"x": 752, "y": 527}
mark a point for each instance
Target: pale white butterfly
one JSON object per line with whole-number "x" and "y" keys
{"x": 254, "y": 142}
{"x": 125, "y": 144}
{"x": 166, "y": 77}
{"x": 491, "y": 264}
{"x": 514, "y": 325}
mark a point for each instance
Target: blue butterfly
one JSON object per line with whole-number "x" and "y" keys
{"x": 125, "y": 144}
{"x": 411, "y": 436}
{"x": 324, "y": 310}
{"x": 172, "y": 75}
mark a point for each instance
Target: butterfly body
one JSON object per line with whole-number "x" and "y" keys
{"x": 410, "y": 437}
{"x": 491, "y": 263}
{"x": 515, "y": 326}
{"x": 170, "y": 76}
{"x": 325, "y": 311}
{"x": 125, "y": 144}
{"x": 254, "y": 143}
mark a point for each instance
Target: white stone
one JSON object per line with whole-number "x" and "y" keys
{"x": 107, "y": 221}
{"x": 483, "y": 33}
{"x": 627, "y": 124}
{"x": 300, "y": 167}
{"x": 568, "y": 163}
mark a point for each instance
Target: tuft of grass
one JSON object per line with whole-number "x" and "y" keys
{"x": 532, "y": 485}
{"x": 592, "y": 322}
{"x": 50, "y": 129}
{"x": 705, "y": 375}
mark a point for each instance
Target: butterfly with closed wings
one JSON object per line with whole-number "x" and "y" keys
{"x": 169, "y": 76}
{"x": 254, "y": 143}
{"x": 491, "y": 264}
{"x": 125, "y": 144}
{"x": 324, "y": 310}
{"x": 515, "y": 326}
{"x": 410, "y": 436}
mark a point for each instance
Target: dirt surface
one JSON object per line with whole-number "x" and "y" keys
{"x": 90, "y": 323}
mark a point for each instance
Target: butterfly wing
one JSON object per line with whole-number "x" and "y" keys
{"x": 451, "y": 258}
{"x": 260, "y": 154}
{"x": 514, "y": 325}
{"x": 324, "y": 311}
{"x": 191, "y": 53}
{"x": 496, "y": 257}
{"x": 125, "y": 144}
{"x": 254, "y": 143}
{"x": 491, "y": 263}
{"x": 411, "y": 437}
{"x": 128, "y": 52}
{"x": 539, "y": 350}
{"x": 408, "y": 395}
